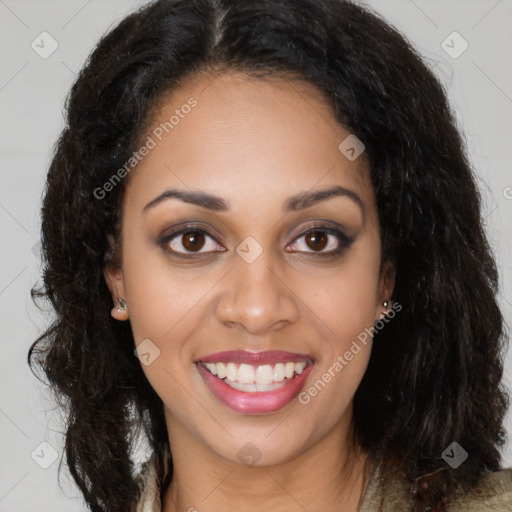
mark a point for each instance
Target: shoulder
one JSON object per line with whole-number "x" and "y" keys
{"x": 492, "y": 492}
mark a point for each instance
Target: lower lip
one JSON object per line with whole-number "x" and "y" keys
{"x": 259, "y": 402}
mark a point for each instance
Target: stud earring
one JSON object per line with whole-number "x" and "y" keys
{"x": 385, "y": 305}
{"x": 122, "y": 305}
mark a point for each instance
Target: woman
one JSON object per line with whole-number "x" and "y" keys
{"x": 264, "y": 246}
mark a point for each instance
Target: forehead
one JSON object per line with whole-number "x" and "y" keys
{"x": 243, "y": 138}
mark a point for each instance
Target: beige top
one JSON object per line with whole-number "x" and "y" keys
{"x": 492, "y": 494}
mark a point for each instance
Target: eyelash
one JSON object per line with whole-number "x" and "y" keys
{"x": 344, "y": 240}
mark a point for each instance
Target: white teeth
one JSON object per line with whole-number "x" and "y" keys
{"x": 246, "y": 374}
{"x": 279, "y": 372}
{"x": 221, "y": 370}
{"x": 299, "y": 367}
{"x": 251, "y": 388}
{"x": 231, "y": 372}
{"x": 212, "y": 367}
{"x": 252, "y": 378}
{"x": 264, "y": 374}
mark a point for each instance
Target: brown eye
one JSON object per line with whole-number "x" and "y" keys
{"x": 316, "y": 240}
{"x": 322, "y": 241}
{"x": 190, "y": 241}
{"x": 193, "y": 240}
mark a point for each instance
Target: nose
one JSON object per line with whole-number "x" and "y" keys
{"x": 256, "y": 298}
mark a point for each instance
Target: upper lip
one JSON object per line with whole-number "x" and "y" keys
{"x": 255, "y": 358}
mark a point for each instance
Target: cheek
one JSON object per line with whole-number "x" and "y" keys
{"x": 163, "y": 298}
{"x": 345, "y": 302}
{"x": 345, "y": 298}
{"x": 165, "y": 307}
{"x": 346, "y": 306}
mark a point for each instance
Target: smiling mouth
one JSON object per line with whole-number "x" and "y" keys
{"x": 256, "y": 378}
{"x": 255, "y": 382}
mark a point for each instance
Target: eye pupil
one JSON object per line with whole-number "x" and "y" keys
{"x": 316, "y": 240}
{"x": 193, "y": 240}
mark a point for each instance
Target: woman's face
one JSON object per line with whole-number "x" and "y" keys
{"x": 247, "y": 286}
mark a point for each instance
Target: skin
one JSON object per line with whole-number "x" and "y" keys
{"x": 253, "y": 143}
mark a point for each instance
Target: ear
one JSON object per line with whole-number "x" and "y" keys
{"x": 113, "y": 274}
{"x": 386, "y": 287}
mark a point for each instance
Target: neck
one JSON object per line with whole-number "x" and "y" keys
{"x": 327, "y": 476}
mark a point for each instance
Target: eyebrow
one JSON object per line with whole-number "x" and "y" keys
{"x": 297, "y": 202}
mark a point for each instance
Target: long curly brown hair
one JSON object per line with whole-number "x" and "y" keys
{"x": 435, "y": 372}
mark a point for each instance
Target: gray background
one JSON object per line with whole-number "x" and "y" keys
{"x": 32, "y": 91}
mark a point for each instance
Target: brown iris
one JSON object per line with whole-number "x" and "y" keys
{"x": 193, "y": 240}
{"x": 316, "y": 240}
